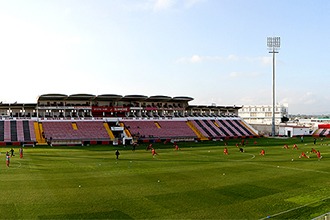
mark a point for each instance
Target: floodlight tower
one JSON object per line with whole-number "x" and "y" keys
{"x": 273, "y": 44}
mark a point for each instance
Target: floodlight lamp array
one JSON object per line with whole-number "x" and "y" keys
{"x": 273, "y": 43}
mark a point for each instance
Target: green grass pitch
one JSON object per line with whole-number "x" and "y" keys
{"x": 196, "y": 182}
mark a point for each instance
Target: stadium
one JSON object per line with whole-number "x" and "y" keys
{"x": 85, "y": 119}
{"x": 164, "y": 109}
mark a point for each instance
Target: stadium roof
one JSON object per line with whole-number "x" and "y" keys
{"x": 135, "y": 97}
{"x": 63, "y": 97}
{"x": 182, "y": 98}
{"x": 52, "y": 96}
{"x": 81, "y": 97}
{"x": 89, "y": 97}
{"x": 108, "y": 97}
{"x": 159, "y": 98}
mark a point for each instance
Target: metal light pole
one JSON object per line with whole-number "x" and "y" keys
{"x": 273, "y": 44}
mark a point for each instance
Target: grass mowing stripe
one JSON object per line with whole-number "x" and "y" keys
{"x": 217, "y": 153}
{"x": 292, "y": 168}
{"x": 306, "y": 170}
{"x": 293, "y": 209}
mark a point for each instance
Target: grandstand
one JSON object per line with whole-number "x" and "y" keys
{"x": 59, "y": 119}
{"x": 322, "y": 131}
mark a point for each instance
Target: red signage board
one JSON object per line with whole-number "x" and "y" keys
{"x": 110, "y": 109}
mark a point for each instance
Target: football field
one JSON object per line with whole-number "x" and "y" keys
{"x": 196, "y": 182}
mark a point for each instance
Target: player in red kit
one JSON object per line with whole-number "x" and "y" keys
{"x": 153, "y": 152}
{"x": 303, "y": 155}
{"x": 225, "y": 151}
{"x": 21, "y": 153}
{"x": 7, "y": 159}
{"x": 149, "y": 147}
{"x": 295, "y": 147}
{"x": 318, "y": 154}
{"x": 262, "y": 153}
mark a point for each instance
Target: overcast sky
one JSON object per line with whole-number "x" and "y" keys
{"x": 211, "y": 50}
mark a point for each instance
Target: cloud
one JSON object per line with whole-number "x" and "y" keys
{"x": 236, "y": 75}
{"x": 198, "y": 59}
{"x": 264, "y": 60}
{"x": 251, "y": 99}
{"x": 191, "y": 3}
{"x": 298, "y": 97}
{"x": 230, "y": 58}
{"x": 149, "y": 5}
{"x": 305, "y": 101}
{"x": 195, "y": 59}
{"x": 160, "y": 5}
{"x": 308, "y": 98}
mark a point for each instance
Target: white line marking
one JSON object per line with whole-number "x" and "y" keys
{"x": 289, "y": 210}
{"x": 309, "y": 170}
{"x": 294, "y": 168}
